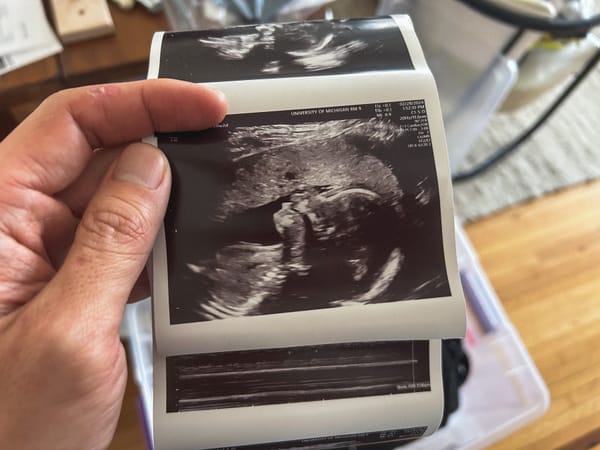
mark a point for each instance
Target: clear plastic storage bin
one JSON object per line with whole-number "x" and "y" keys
{"x": 504, "y": 390}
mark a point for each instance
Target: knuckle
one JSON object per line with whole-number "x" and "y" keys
{"x": 115, "y": 223}
{"x": 56, "y": 99}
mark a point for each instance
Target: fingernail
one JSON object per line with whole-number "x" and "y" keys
{"x": 141, "y": 164}
{"x": 218, "y": 93}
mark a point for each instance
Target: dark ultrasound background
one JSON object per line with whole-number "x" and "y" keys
{"x": 284, "y": 50}
{"x": 295, "y": 210}
{"x": 296, "y": 374}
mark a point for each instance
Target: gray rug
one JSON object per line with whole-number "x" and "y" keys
{"x": 563, "y": 152}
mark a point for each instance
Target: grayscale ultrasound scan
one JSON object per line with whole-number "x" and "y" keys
{"x": 284, "y": 50}
{"x": 286, "y": 211}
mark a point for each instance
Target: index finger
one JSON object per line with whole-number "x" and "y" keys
{"x": 53, "y": 145}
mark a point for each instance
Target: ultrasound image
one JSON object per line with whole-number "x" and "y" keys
{"x": 280, "y": 50}
{"x": 299, "y": 210}
{"x": 296, "y": 374}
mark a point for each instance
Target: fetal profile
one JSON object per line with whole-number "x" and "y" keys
{"x": 285, "y": 211}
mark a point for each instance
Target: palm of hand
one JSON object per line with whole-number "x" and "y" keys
{"x": 50, "y": 352}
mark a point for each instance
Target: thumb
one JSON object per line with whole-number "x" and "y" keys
{"x": 115, "y": 237}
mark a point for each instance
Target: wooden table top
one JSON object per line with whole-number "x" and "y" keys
{"x": 117, "y": 57}
{"x": 34, "y": 81}
{"x": 38, "y": 72}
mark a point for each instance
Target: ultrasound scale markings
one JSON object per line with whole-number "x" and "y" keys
{"x": 297, "y": 369}
{"x": 250, "y": 384}
{"x": 298, "y": 374}
{"x": 297, "y": 392}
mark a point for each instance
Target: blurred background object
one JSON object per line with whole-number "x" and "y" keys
{"x": 551, "y": 60}
{"x": 201, "y": 14}
{"x": 501, "y": 54}
{"x": 125, "y": 4}
{"x": 472, "y": 72}
{"x": 154, "y": 6}
{"x": 25, "y": 34}
{"x": 78, "y": 20}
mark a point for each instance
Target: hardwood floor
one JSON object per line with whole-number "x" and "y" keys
{"x": 129, "y": 434}
{"x": 543, "y": 259}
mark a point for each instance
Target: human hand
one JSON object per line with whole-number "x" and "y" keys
{"x": 80, "y": 207}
